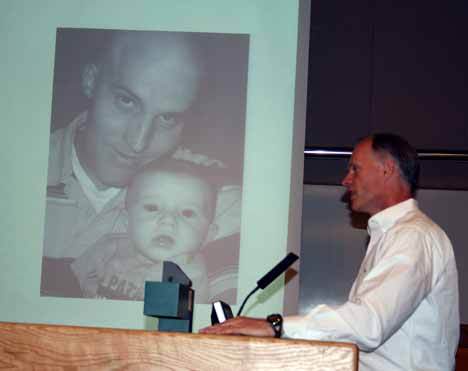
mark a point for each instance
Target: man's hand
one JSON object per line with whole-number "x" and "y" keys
{"x": 241, "y": 326}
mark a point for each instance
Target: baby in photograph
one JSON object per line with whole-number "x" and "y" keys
{"x": 171, "y": 210}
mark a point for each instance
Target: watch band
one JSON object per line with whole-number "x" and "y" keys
{"x": 276, "y": 323}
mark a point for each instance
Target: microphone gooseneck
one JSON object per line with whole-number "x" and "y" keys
{"x": 268, "y": 278}
{"x": 245, "y": 300}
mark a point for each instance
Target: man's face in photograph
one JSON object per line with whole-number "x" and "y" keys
{"x": 140, "y": 91}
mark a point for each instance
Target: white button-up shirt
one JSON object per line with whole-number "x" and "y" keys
{"x": 402, "y": 310}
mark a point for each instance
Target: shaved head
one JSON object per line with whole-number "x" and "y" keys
{"x": 173, "y": 50}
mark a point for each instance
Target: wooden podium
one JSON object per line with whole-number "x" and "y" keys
{"x": 50, "y": 347}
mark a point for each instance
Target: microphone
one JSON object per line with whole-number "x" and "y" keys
{"x": 225, "y": 311}
{"x": 277, "y": 270}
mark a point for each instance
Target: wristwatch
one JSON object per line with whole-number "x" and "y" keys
{"x": 276, "y": 323}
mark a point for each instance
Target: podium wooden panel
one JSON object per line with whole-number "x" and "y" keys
{"x": 50, "y": 347}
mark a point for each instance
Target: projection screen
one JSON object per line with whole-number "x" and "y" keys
{"x": 226, "y": 97}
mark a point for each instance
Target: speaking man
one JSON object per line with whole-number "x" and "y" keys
{"x": 402, "y": 310}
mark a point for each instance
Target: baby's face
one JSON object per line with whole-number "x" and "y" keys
{"x": 169, "y": 214}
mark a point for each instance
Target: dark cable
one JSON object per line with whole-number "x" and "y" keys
{"x": 245, "y": 300}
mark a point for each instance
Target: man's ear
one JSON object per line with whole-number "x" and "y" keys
{"x": 389, "y": 168}
{"x": 88, "y": 79}
{"x": 212, "y": 232}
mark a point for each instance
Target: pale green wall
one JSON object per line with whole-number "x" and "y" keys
{"x": 27, "y": 39}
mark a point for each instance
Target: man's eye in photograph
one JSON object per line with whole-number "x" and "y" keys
{"x": 166, "y": 121}
{"x": 125, "y": 102}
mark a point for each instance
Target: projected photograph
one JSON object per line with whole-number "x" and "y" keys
{"x": 145, "y": 162}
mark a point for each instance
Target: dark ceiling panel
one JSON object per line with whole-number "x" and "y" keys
{"x": 339, "y": 73}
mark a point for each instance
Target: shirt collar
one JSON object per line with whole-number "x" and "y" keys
{"x": 97, "y": 197}
{"x": 386, "y": 218}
